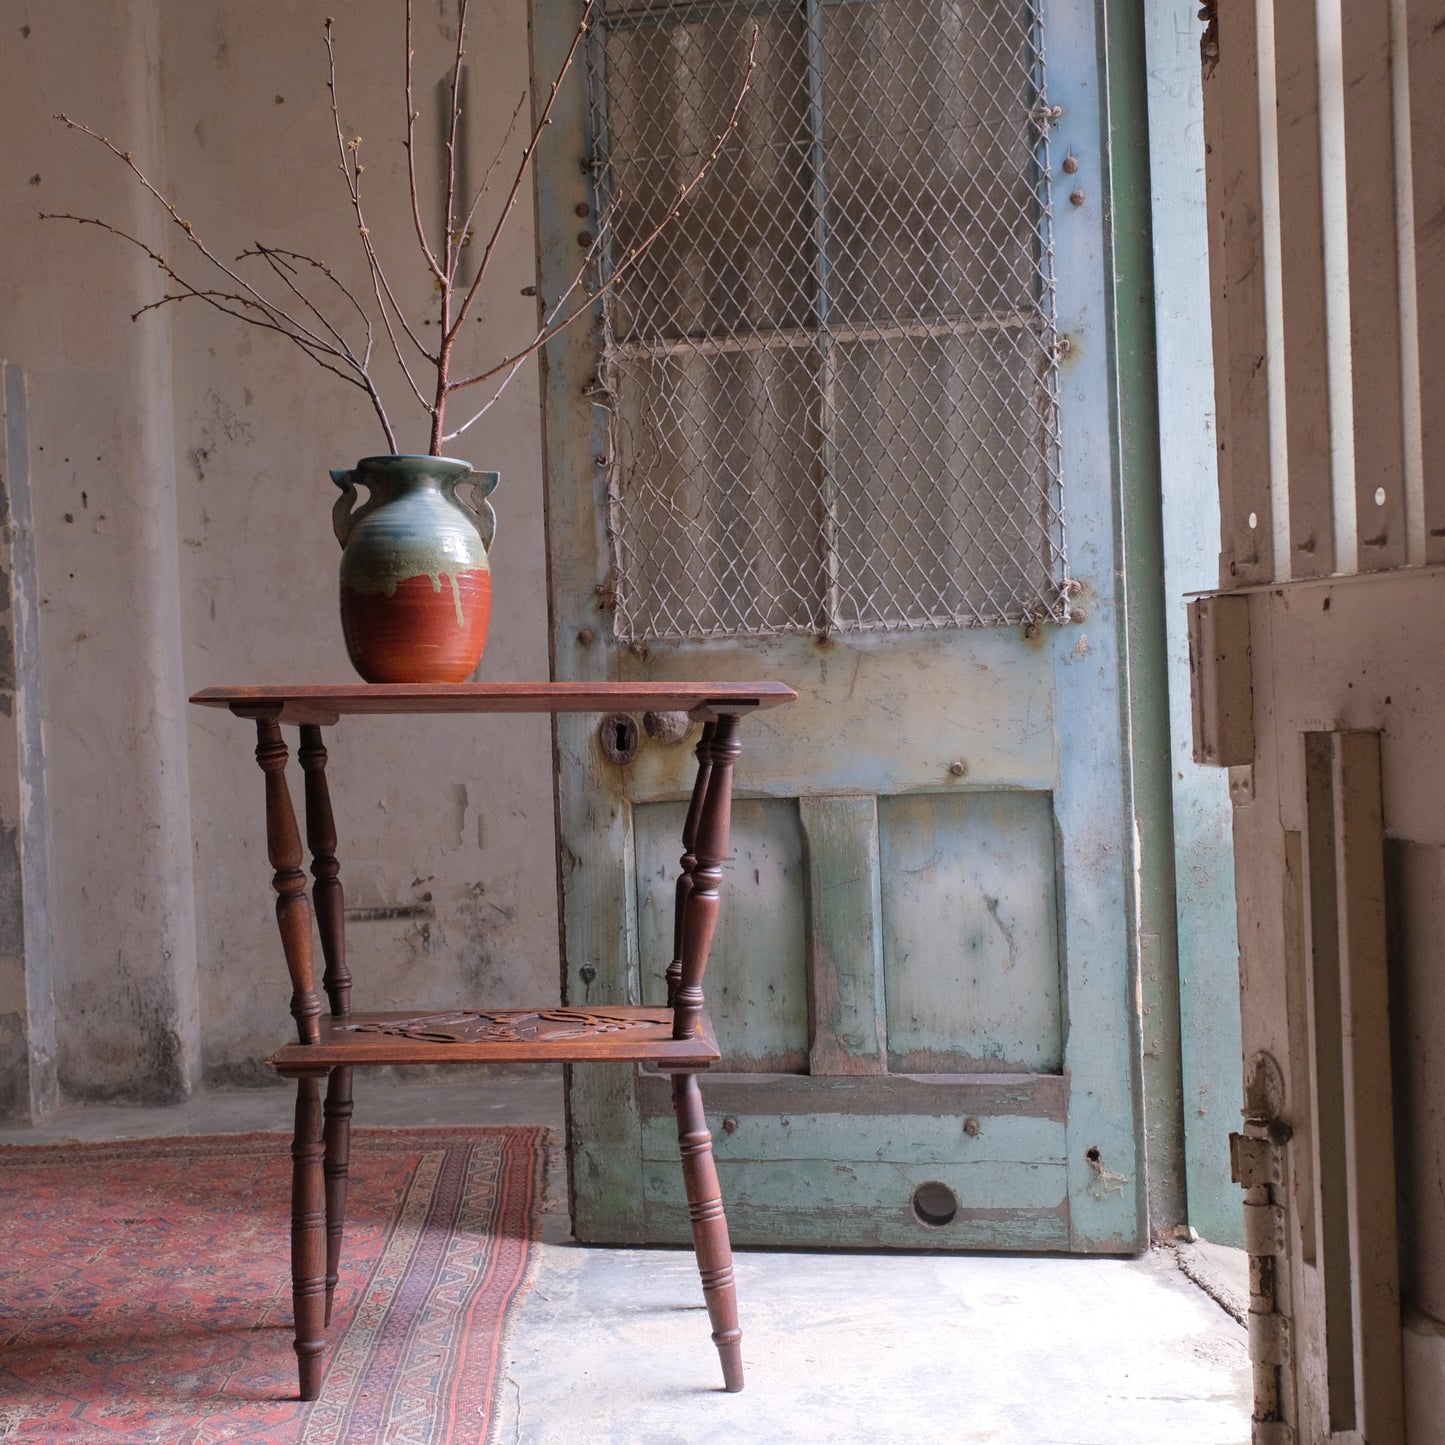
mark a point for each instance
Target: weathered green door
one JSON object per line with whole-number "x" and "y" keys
{"x": 846, "y": 424}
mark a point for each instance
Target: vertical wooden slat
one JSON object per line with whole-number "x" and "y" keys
{"x": 1236, "y": 247}
{"x": 1307, "y": 399}
{"x": 1426, "y": 31}
{"x": 1297, "y": 1008}
{"x": 1369, "y": 1113}
{"x": 1414, "y": 483}
{"x": 1327, "y": 1039}
{"x": 1350, "y": 1029}
{"x": 845, "y": 940}
{"x": 1335, "y": 214}
{"x": 1374, "y": 284}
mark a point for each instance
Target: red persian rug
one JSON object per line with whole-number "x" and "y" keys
{"x": 145, "y": 1291}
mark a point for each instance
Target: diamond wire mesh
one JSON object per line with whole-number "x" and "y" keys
{"x": 831, "y": 381}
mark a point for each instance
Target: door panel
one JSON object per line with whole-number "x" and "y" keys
{"x": 757, "y": 979}
{"x": 924, "y": 978}
{"x": 789, "y": 1177}
{"x": 970, "y": 938}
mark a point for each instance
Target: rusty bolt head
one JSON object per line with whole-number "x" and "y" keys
{"x": 970, "y": 1127}
{"x": 584, "y": 238}
{"x": 730, "y": 1125}
{"x": 581, "y": 208}
{"x": 957, "y": 768}
{"x": 1071, "y": 163}
{"x": 1077, "y": 198}
{"x": 1078, "y": 615}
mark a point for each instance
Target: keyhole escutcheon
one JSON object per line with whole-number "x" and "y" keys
{"x": 619, "y": 736}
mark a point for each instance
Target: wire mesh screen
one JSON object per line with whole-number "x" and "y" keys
{"x": 831, "y": 379}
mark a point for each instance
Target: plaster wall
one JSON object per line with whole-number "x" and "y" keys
{"x": 178, "y": 470}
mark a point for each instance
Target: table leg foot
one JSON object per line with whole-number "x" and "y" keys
{"x": 308, "y": 1235}
{"x": 337, "y": 1135}
{"x": 709, "y": 1227}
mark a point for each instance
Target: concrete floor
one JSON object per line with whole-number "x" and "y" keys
{"x": 613, "y": 1345}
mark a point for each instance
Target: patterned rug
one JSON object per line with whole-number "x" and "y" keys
{"x": 145, "y": 1291}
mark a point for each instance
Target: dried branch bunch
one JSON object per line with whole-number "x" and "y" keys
{"x": 302, "y": 299}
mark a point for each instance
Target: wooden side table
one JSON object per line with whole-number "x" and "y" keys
{"x": 678, "y": 1039}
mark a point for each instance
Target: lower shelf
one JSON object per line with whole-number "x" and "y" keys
{"x": 502, "y": 1036}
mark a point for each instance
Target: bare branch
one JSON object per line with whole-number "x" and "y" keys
{"x": 248, "y": 306}
{"x": 278, "y": 313}
{"x": 219, "y": 300}
{"x": 449, "y": 200}
{"x": 351, "y": 168}
{"x": 466, "y": 226}
{"x": 339, "y": 362}
{"x": 306, "y": 320}
{"x": 543, "y": 120}
{"x": 551, "y": 327}
{"x": 411, "y": 116}
{"x": 280, "y": 263}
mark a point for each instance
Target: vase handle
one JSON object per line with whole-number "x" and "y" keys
{"x": 342, "y": 516}
{"x": 483, "y": 485}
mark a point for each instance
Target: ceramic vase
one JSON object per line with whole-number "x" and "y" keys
{"x": 416, "y": 585}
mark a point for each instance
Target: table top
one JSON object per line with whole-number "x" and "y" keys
{"x": 326, "y": 703}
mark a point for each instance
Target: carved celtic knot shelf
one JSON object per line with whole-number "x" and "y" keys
{"x": 501, "y": 1036}
{"x": 509, "y": 1025}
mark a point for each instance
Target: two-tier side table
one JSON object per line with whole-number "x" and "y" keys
{"x": 677, "y": 1039}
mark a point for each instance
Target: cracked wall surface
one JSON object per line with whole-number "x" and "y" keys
{"x": 181, "y": 537}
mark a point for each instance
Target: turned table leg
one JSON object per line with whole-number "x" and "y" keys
{"x": 308, "y": 1235}
{"x": 329, "y": 902}
{"x": 293, "y": 910}
{"x": 327, "y": 896}
{"x": 689, "y": 857}
{"x": 705, "y": 843}
{"x": 710, "y": 821}
{"x": 709, "y": 1227}
{"x": 336, "y": 1135}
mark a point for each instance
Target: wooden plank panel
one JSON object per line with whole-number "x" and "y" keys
{"x": 604, "y": 1131}
{"x": 1328, "y": 1060}
{"x": 1236, "y": 267}
{"x": 1221, "y": 683}
{"x": 845, "y": 940}
{"x": 1302, "y": 246}
{"x": 1369, "y": 1114}
{"x": 1353, "y": 1084}
{"x": 1415, "y": 883}
{"x": 934, "y": 1140}
{"x": 970, "y": 933}
{"x": 756, "y": 982}
{"x": 814, "y": 1201}
{"x": 1426, "y": 31}
{"x": 1374, "y": 285}
{"x": 984, "y": 1096}
{"x": 1297, "y": 1013}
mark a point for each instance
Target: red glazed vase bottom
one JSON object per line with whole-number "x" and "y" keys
{"x": 421, "y": 633}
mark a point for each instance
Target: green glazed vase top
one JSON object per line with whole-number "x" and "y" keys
{"x": 411, "y": 532}
{"x": 413, "y": 523}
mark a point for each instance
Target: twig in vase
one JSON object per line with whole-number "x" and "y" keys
{"x": 306, "y": 322}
